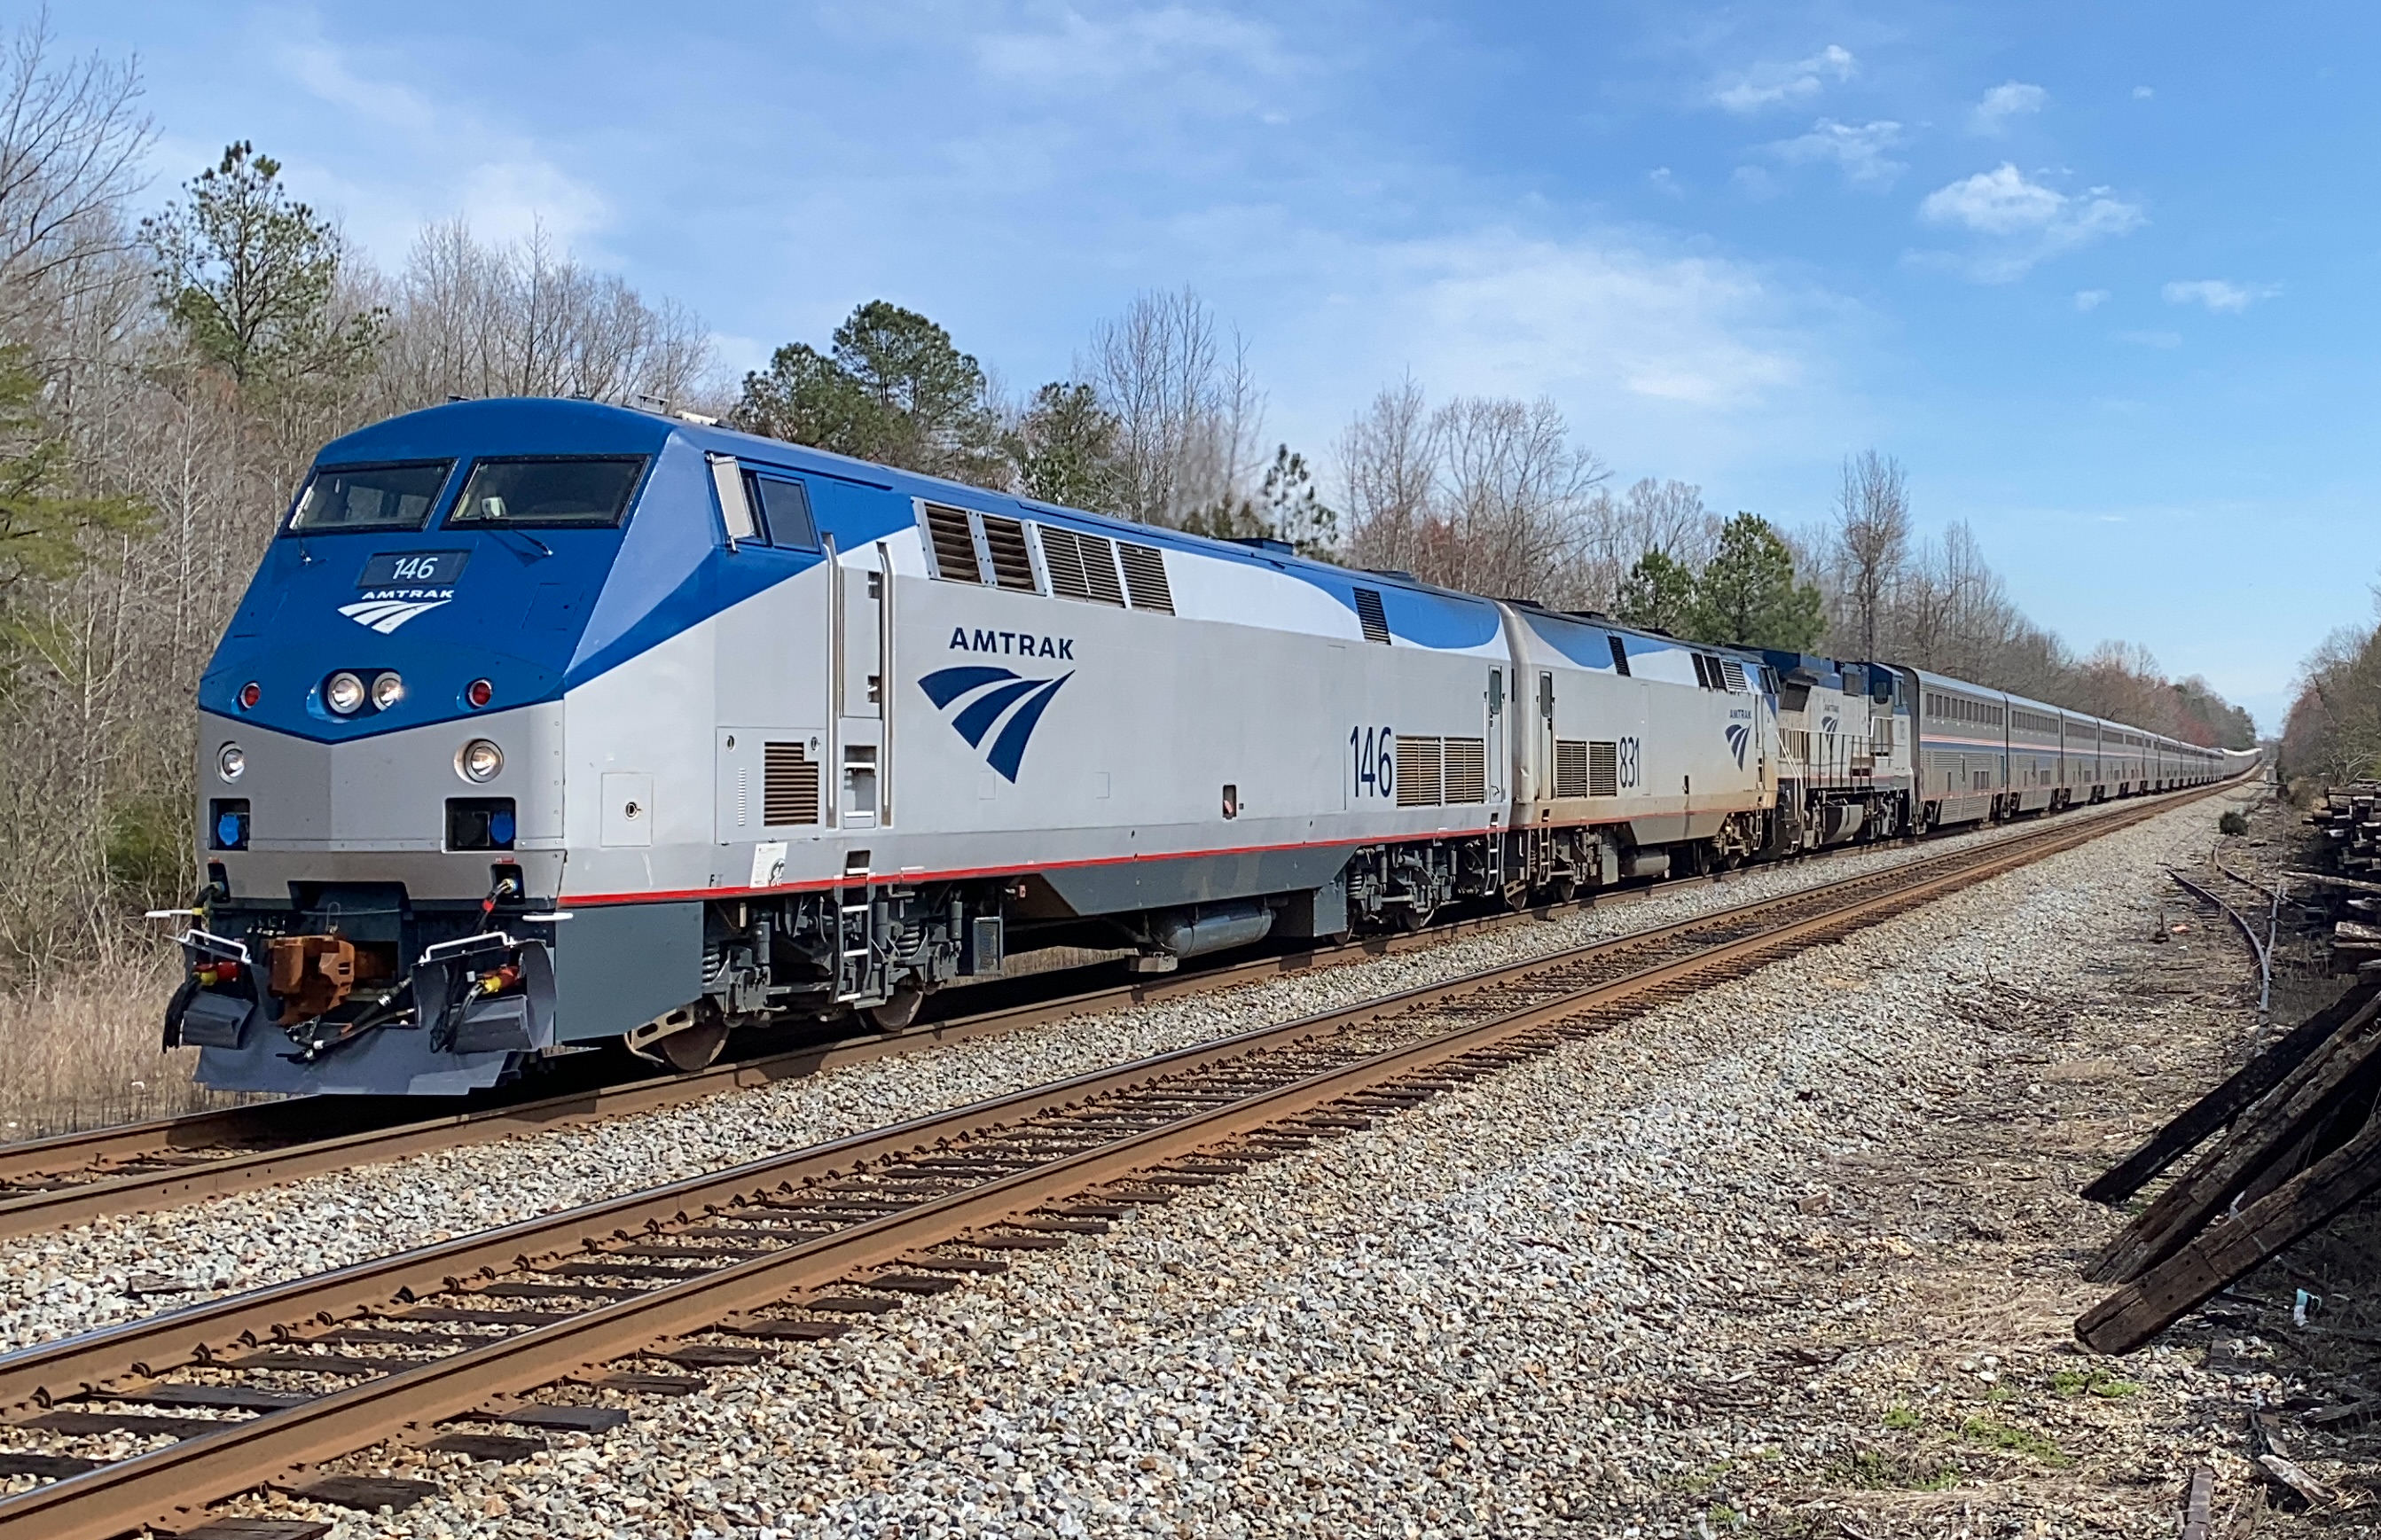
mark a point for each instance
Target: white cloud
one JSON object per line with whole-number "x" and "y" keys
{"x": 1582, "y": 318}
{"x": 1769, "y": 85}
{"x": 1171, "y": 47}
{"x": 1756, "y": 182}
{"x": 2005, "y": 103}
{"x": 1858, "y": 150}
{"x": 1665, "y": 183}
{"x": 2024, "y": 222}
{"x": 2143, "y": 94}
{"x": 2218, "y": 295}
{"x": 2090, "y": 300}
{"x": 497, "y": 181}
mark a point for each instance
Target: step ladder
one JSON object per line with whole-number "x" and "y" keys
{"x": 851, "y": 946}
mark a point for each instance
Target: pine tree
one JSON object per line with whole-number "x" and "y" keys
{"x": 1659, "y": 595}
{"x": 1746, "y": 594}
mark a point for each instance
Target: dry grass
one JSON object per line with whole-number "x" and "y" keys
{"x": 82, "y": 1052}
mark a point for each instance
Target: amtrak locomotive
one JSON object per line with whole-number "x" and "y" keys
{"x": 547, "y": 724}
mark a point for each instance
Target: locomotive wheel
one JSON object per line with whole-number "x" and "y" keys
{"x": 899, "y": 1011}
{"x": 1562, "y": 891}
{"x": 1413, "y": 917}
{"x": 696, "y": 1047}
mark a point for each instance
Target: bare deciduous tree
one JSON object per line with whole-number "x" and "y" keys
{"x": 467, "y": 318}
{"x": 1483, "y": 493}
{"x": 71, "y": 138}
{"x": 1871, "y": 539}
{"x": 1190, "y": 419}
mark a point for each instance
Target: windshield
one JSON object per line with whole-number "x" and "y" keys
{"x": 547, "y": 493}
{"x": 370, "y": 496}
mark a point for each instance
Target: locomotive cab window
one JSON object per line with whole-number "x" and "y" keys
{"x": 363, "y": 497}
{"x": 784, "y": 513}
{"x": 547, "y": 493}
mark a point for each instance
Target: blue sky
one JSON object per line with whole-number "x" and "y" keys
{"x": 2101, "y": 275}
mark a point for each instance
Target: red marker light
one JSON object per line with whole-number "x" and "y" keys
{"x": 479, "y": 693}
{"x": 249, "y": 695}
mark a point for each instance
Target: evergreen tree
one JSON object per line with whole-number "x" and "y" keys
{"x": 251, "y": 278}
{"x": 1290, "y": 504}
{"x": 1746, "y": 594}
{"x": 892, "y": 389}
{"x": 1064, "y": 449}
{"x": 47, "y": 528}
{"x": 1659, "y": 595}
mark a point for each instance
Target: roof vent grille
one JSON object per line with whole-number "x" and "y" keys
{"x": 1012, "y": 565}
{"x": 954, "y": 544}
{"x": 1144, "y": 577}
{"x": 1371, "y": 617}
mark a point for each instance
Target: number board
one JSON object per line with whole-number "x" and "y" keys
{"x": 413, "y": 568}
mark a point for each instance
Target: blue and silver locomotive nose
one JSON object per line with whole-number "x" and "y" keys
{"x": 379, "y": 754}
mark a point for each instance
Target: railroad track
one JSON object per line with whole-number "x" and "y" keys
{"x": 50, "y": 1185}
{"x": 444, "y": 1343}
{"x": 47, "y": 1184}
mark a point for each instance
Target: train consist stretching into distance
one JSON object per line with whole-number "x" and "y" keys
{"x": 547, "y": 724}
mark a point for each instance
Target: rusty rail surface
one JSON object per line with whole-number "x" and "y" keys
{"x": 746, "y": 1253}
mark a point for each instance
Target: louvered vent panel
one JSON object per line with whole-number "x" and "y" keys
{"x": 1418, "y": 772}
{"x": 1733, "y": 672}
{"x": 1100, "y": 571}
{"x": 954, "y": 546}
{"x": 790, "y": 785}
{"x": 1603, "y": 769}
{"x": 1062, "y": 555}
{"x": 1570, "y": 767}
{"x": 1144, "y": 577}
{"x": 1370, "y": 615}
{"x": 1466, "y": 767}
{"x": 1011, "y": 566}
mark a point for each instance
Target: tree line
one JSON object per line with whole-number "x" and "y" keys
{"x": 167, "y": 372}
{"x": 2333, "y": 732}
{"x": 1161, "y": 422}
{"x": 168, "y": 367}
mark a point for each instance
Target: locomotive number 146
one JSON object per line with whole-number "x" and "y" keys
{"x": 1376, "y": 754}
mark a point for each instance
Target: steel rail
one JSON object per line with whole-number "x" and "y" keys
{"x": 77, "y": 1365}
{"x": 168, "y": 1482}
{"x": 44, "y": 1208}
{"x": 389, "y": 1132}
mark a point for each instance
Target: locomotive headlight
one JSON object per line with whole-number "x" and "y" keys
{"x": 386, "y": 691}
{"x": 231, "y": 762}
{"x": 479, "y": 761}
{"x": 344, "y": 693}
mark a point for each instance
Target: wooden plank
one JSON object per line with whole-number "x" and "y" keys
{"x": 2192, "y": 1276}
{"x": 2198, "y": 1505}
{"x": 366, "y": 1494}
{"x": 2188, "y": 1128}
{"x": 2262, "y": 1135}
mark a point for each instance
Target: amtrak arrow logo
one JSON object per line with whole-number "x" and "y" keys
{"x": 990, "y": 695}
{"x": 385, "y": 615}
{"x": 1739, "y": 735}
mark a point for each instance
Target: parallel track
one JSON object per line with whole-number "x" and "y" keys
{"x": 51, "y": 1184}
{"x": 795, "y": 1246}
{"x": 48, "y": 1184}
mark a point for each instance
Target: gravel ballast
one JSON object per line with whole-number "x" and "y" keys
{"x": 52, "y": 1285}
{"x": 1794, "y": 1257}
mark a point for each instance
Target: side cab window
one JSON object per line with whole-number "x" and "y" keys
{"x": 782, "y": 507}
